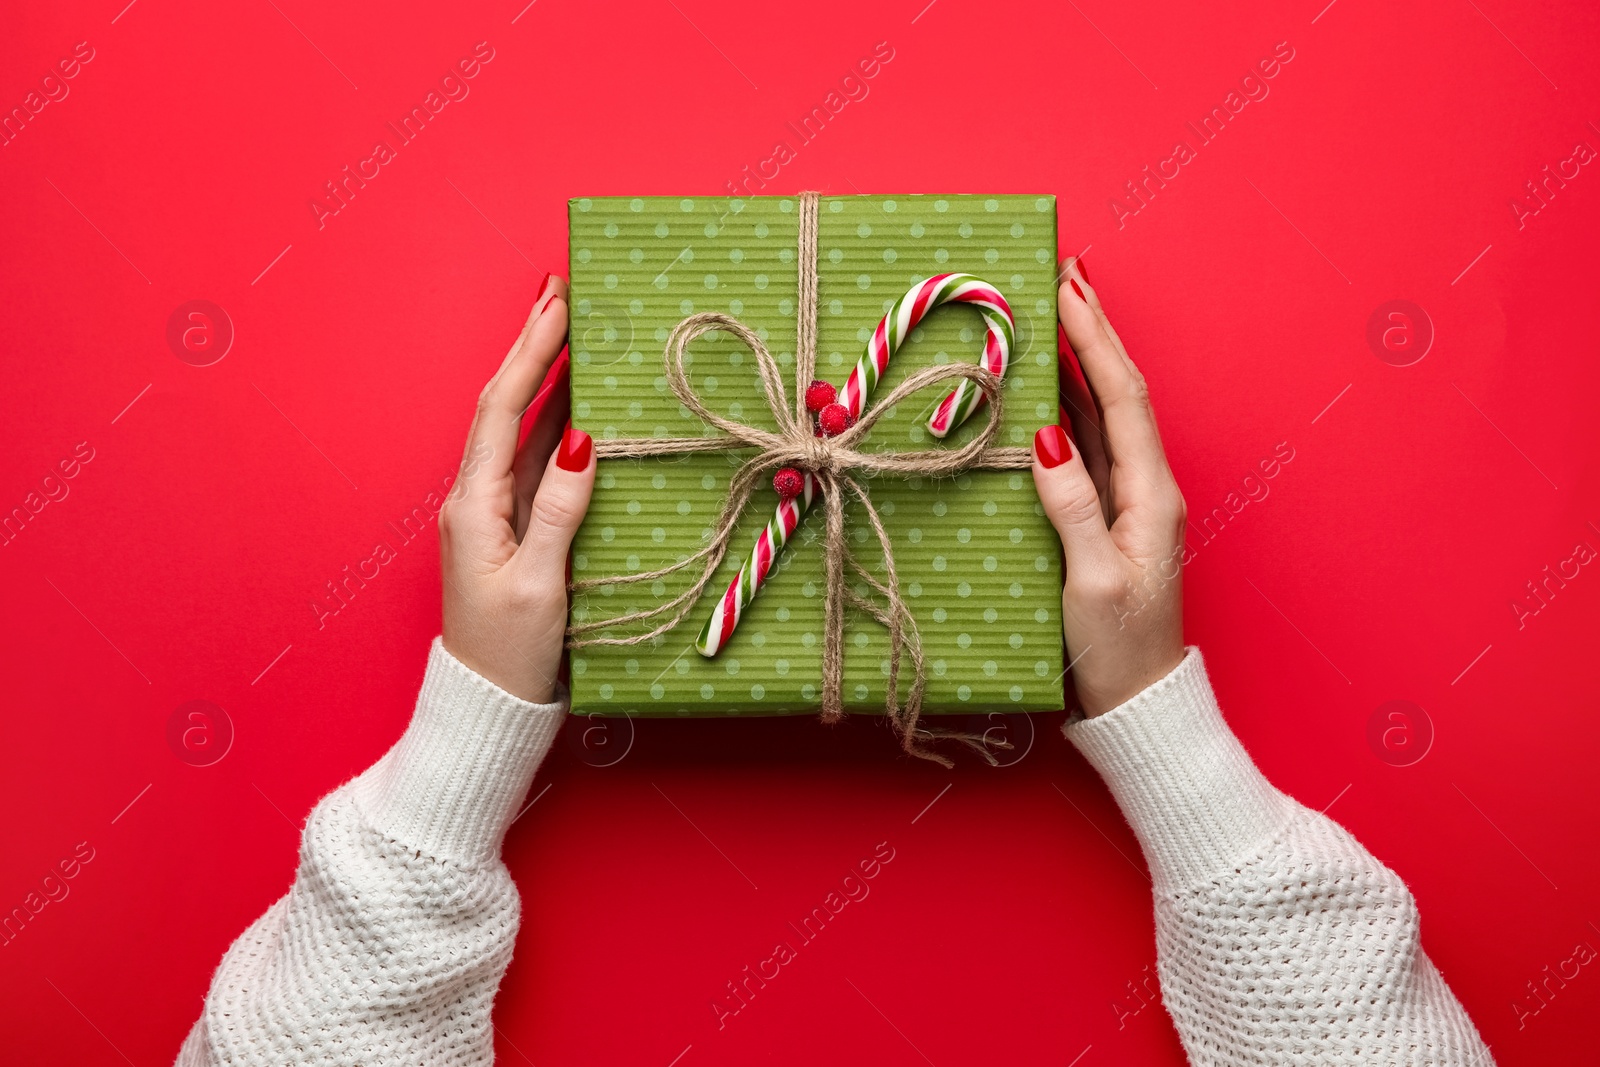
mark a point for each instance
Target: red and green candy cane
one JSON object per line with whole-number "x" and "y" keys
{"x": 837, "y": 411}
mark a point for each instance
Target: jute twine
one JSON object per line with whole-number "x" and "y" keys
{"x": 837, "y": 467}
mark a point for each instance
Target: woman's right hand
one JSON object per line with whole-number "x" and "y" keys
{"x": 1120, "y": 515}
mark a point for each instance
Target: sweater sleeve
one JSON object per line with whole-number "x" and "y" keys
{"x": 1279, "y": 939}
{"x": 390, "y": 944}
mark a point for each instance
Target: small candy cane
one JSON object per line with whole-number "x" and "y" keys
{"x": 753, "y": 574}
{"x": 950, "y": 413}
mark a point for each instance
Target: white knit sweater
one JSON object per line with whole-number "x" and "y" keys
{"x": 1280, "y": 940}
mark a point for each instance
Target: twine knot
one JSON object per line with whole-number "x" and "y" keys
{"x": 821, "y": 456}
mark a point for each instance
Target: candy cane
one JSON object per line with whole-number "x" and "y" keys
{"x": 753, "y": 574}
{"x": 905, "y": 316}
{"x": 950, "y": 413}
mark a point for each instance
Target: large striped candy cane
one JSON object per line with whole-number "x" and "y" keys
{"x": 950, "y": 413}
{"x": 905, "y": 316}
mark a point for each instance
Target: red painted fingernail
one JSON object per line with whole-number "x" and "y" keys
{"x": 576, "y": 447}
{"x": 1081, "y": 268}
{"x": 548, "y": 278}
{"x": 1074, "y": 283}
{"x": 1050, "y": 444}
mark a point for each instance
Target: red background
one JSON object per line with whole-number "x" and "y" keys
{"x": 1382, "y": 566}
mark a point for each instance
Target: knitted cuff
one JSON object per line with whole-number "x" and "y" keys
{"x": 1187, "y": 787}
{"x": 451, "y": 785}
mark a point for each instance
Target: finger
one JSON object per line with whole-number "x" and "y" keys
{"x": 1084, "y": 415}
{"x": 1076, "y": 268}
{"x": 492, "y": 441}
{"x": 1070, "y": 502}
{"x": 1139, "y": 464}
{"x": 1079, "y": 411}
{"x": 547, "y": 291}
{"x": 558, "y": 508}
{"x": 549, "y": 412}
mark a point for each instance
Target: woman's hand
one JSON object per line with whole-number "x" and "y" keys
{"x": 1119, "y": 513}
{"x": 506, "y": 527}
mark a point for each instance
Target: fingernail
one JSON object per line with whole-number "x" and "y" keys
{"x": 576, "y": 447}
{"x": 1074, "y": 283}
{"x": 1081, "y": 268}
{"x": 548, "y": 278}
{"x": 1050, "y": 444}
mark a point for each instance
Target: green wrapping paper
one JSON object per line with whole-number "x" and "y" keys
{"x": 978, "y": 562}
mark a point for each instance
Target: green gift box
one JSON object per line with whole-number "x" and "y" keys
{"x": 979, "y": 565}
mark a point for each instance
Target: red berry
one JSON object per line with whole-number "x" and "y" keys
{"x": 789, "y": 482}
{"x": 835, "y": 419}
{"x": 819, "y": 395}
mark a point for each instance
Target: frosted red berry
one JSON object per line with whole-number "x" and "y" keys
{"x": 789, "y": 482}
{"x": 819, "y": 395}
{"x": 835, "y": 419}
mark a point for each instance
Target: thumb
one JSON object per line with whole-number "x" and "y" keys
{"x": 559, "y": 505}
{"x": 1069, "y": 498}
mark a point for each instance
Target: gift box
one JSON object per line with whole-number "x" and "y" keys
{"x": 979, "y": 566}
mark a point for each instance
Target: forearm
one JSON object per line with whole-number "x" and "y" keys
{"x": 1278, "y": 935}
{"x": 400, "y": 922}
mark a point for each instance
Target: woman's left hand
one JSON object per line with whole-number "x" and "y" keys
{"x": 1120, "y": 515}
{"x": 508, "y": 522}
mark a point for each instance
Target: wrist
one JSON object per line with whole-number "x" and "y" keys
{"x": 515, "y": 674}
{"x": 513, "y": 640}
{"x": 1097, "y": 697}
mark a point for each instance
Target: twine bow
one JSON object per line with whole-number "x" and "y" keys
{"x": 837, "y": 466}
